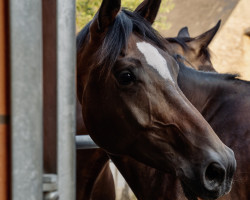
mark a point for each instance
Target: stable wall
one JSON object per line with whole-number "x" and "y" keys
{"x": 231, "y": 46}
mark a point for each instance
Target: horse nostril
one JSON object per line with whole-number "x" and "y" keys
{"x": 214, "y": 176}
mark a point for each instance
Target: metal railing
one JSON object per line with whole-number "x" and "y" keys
{"x": 85, "y": 142}
{"x": 28, "y": 181}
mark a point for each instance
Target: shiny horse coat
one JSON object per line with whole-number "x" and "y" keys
{"x": 132, "y": 105}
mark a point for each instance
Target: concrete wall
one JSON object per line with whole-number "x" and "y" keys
{"x": 198, "y": 15}
{"x": 231, "y": 47}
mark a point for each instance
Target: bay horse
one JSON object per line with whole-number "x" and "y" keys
{"x": 195, "y": 50}
{"x": 97, "y": 182}
{"x": 132, "y": 105}
{"x": 88, "y": 178}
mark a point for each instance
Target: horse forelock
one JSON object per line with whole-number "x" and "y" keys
{"x": 116, "y": 38}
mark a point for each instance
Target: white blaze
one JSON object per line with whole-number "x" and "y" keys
{"x": 155, "y": 59}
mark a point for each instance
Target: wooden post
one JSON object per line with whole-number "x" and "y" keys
{"x": 4, "y": 111}
{"x": 49, "y": 86}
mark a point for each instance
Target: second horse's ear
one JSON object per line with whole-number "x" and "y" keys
{"x": 203, "y": 40}
{"x": 148, "y": 9}
{"x": 105, "y": 16}
{"x": 183, "y": 32}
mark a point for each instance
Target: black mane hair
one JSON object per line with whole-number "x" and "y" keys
{"x": 116, "y": 38}
{"x": 181, "y": 41}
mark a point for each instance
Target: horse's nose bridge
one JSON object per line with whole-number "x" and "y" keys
{"x": 191, "y": 120}
{"x": 180, "y": 105}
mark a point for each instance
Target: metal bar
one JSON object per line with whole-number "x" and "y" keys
{"x": 26, "y": 99}
{"x": 50, "y": 187}
{"x": 85, "y": 142}
{"x": 66, "y": 98}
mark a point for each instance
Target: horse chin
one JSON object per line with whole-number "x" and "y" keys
{"x": 190, "y": 195}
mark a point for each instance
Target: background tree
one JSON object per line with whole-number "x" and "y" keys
{"x": 86, "y": 9}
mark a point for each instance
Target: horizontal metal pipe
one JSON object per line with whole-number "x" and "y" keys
{"x": 85, "y": 142}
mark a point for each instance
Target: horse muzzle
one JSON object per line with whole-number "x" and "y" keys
{"x": 215, "y": 180}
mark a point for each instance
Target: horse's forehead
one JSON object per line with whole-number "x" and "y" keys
{"x": 155, "y": 59}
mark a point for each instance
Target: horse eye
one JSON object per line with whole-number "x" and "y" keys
{"x": 125, "y": 77}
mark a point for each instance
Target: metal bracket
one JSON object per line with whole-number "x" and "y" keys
{"x": 50, "y": 187}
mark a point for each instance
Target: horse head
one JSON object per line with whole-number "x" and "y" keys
{"x": 132, "y": 105}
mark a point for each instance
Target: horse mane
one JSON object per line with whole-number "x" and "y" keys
{"x": 116, "y": 37}
{"x": 180, "y": 41}
{"x": 208, "y": 75}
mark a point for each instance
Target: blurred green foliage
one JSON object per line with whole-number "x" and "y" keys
{"x": 86, "y": 9}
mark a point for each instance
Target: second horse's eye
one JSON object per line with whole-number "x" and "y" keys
{"x": 125, "y": 77}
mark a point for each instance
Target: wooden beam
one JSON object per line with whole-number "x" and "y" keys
{"x": 49, "y": 86}
{"x": 4, "y": 107}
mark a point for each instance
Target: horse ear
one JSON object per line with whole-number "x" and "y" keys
{"x": 105, "y": 16}
{"x": 183, "y": 32}
{"x": 149, "y": 9}
{"x": 203, "y": 40}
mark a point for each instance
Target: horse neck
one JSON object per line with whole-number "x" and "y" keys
{"x": 207, "y": 91}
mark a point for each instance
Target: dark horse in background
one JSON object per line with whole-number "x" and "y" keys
{"x": 194, "y": 50}
{"x": 133, "y": 107}
{"x": 223, "y": 100}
